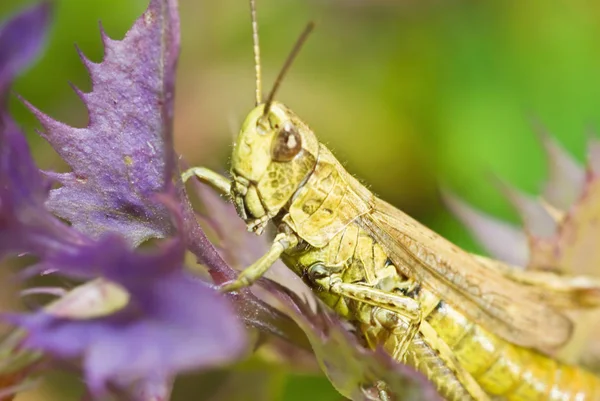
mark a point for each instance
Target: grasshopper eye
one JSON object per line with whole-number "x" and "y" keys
{"x": 287, "y": 143}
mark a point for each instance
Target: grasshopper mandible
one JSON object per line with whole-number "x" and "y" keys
{"x": 476, "y": 328}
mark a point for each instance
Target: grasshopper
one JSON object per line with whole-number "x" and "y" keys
{"x": 478, "y": 329}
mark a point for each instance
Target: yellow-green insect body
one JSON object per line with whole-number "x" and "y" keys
{"x": 324, "y": 209}
{"x": 324, "y": 217}
{"x": 478, "y": 329}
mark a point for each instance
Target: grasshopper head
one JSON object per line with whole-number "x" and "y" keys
{"x": 272, "y": 157}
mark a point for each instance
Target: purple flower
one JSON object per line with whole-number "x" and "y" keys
{"x": 154, "y": 319}
{"x": 170, "y": 322}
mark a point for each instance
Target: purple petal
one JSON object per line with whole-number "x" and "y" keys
{"x": 502, "y": 240}
{"x": 537, "y": 220}
{"x": 576, "y": 248}
{"x": 566, "y": 177}
{"x": 172, "y": 322}
{"x": 594, "y": 156}
{"x": 21, "y": 40}
{"x": 124, "y": 155}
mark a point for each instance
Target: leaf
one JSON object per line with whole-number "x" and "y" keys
{"x": 23, "y": 191}
{"x": 174, "y": 321}
{"x": 535, "y": 215}
{"x": 123, "y": 156}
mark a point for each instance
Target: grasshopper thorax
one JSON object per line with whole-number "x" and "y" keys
{"x": 272, "y": 158}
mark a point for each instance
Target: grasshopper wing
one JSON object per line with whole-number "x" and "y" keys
{"x": 517, "y": 312}
{"x": 563, "y": 292}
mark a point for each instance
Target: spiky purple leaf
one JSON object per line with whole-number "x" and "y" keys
{"x": 593, "y": 158}
{"x": 125, "y": 153}
{"x": 535, "y": 216}
{"x": 25, "y": 224}
{"x": 566, "y": 177}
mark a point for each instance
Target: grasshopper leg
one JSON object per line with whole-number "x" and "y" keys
{"x": 383, "y": 301}
{"x": 215, "y": 180}
{"x": 384, "y": 395}
{"x": 282, "y": 242}
{"x": 446, "y": 354}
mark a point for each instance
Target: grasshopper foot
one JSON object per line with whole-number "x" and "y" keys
{"x": 235, "y": 285}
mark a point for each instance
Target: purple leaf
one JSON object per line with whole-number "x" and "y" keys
{"x": 566, "y": 177}
{"x": 537, "y": 220}
{"x": 22, "y": 190}
{"x": 21, "y": 39}
{"x": 124, "y": 155}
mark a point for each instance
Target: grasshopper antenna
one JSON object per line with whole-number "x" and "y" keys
{"x": 256, "y": 45}
{"x": 286, "y": 66}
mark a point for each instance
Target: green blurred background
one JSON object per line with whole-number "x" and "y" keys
{"x": 407, "y": 93}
